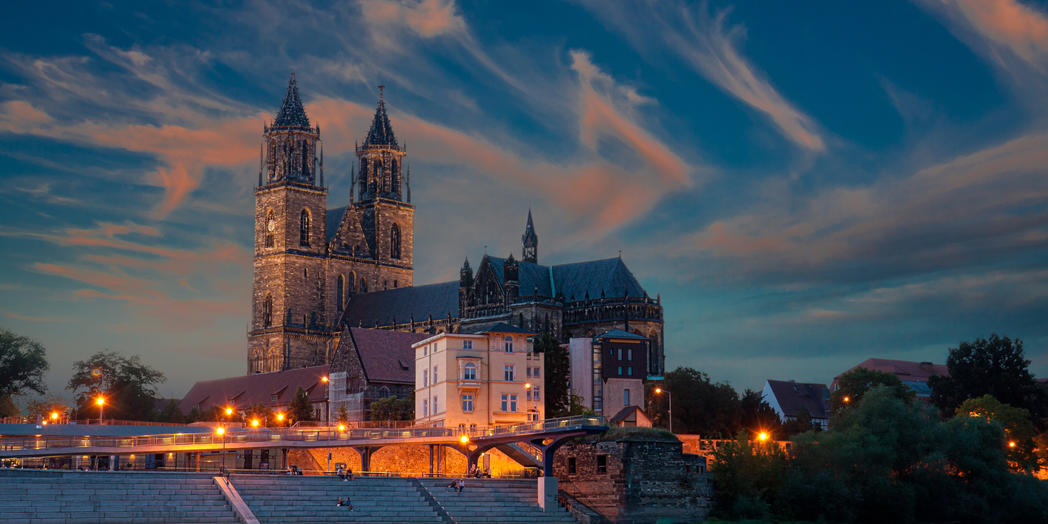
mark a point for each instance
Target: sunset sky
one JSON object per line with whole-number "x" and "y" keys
{"x": 806, "y": 184}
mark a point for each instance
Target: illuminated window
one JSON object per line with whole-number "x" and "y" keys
{"x": 267, "y": 311}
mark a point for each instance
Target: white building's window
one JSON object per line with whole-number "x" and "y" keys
{"x": 529, "y": 371}
{"x": 508, "y": 373}
{"x": 509, "y": 345}
{"x": 537, "y": 393}
{"x": 467, "y": 403}
{"x": 505, "y": 402}
{"x": 620, "y": 353}
{"x": 425, "y": 408}
{"x": 425, "y": 379}
{"x": 435, "y": 410}
{"x": 513, "y": 403}
{"x": 435, "y": 375}
{"x": 629, "y": 371}
{"x": 469, "y": 371}
{"x": 425, "y": 350}
{"x": 629, "y": 354}
{"x": 537, "y": 373}
{"x": 467, "y": 344}
{"x": 626, "y": 397}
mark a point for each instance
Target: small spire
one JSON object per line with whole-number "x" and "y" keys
{"x": 292, "y": 114}
{"x": 381, "y": 132}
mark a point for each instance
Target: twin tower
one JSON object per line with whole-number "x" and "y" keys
{"x": 310, "y": 259}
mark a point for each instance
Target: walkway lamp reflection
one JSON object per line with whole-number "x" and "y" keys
{"x": 669, "y": 396}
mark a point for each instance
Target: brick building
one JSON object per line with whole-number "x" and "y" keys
{"x": 319, "y": 270}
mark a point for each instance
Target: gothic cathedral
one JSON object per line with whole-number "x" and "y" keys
{"x": 308, "y": 259}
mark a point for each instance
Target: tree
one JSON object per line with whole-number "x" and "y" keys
{"x": 8, "y": 407}
{"x": 22, "y": 364}
{"x": 43, "y": 408}
{"x": 301, "y": 409}
{"x": 746, "y": 477}
{"x": 801, "y": 423}
{"x": 995, "y": 366}
{"x": 126, "y": 383}
{"x": 854, "y": 384}
{"x": 171, "y": 413}
{"x": 343, "y": 414}
{"x": 1015, "y": 422}
{"x": 557, "y": 366}
{"x": 699, "y": 406}
{"x": 392, "y": 408}
{"x": 578, "y": 409}
{"x": 757, "y": 415}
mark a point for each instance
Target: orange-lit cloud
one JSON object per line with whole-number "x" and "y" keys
{"x": 1005, "y": 26}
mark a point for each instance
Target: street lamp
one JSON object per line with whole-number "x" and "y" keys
{"x": 101, "y": 402}
{"x": 763, "y": 436}
{"x": 846, "y": 399}
{"x": 220, "y": 431}
{"x": 54, "y": 416}
{"x": 669, "y": 396}
{"x": 280, "y": 418}
{"x": 464, "y": 439}
{"x": 254, "y": 422}
{"x": 1011, "y": 443}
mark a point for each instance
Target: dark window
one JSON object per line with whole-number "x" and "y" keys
{"x": 394, "y": 242}
{"x": 303, "y": 233}
{"x": 271, "y": 225}
{"x": 571, "y": 465}
{"x": 602, "y": 463}
{"x": 363, "y": 286}
{"x": 339, "y": 292}
{"x": 267, "y": 311}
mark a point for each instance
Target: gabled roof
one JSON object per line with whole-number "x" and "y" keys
{"x": 381, "y": 132}
{"x": 530, "y": 276}
{"x": 792, "y": 396}
{"x": 610, "y": 276}
{"x": 904, "y": 369}
{"x": 402, "y": 304}
{"x": 387, "y": 355}
{"x": 292, "y": 114}
{"x": 503, "y": 327}
{"x": 626, "y": 412}
{"x": 259, "y": 388}
{"x": 333, "y": 219}
{"x": 618, "y": 333}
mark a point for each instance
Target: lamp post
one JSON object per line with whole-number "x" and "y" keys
{"x": 527, "y": 400}
{"x": 220, "y": 431}
{"x": 101, "y": 401}
{"x": 669, "y": 396}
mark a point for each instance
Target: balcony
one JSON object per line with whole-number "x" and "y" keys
{"x": 468, "y": 384}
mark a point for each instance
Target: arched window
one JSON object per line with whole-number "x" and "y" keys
{"x": 267, "y": 311}
{"x": 352, "y": 282}
{"x": 340, "y": 287}
{"x": 363, "y": 285}
{"x": 303, "y": 236}
{"x": 394, "y": 242}
{"x": 270, "y": 226}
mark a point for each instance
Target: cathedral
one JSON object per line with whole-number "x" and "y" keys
{"x": 320, "y": 271}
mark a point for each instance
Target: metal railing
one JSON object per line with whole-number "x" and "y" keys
{"x": 279, "y": 435}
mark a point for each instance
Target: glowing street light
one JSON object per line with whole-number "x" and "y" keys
{"x": 229, "y": 411}
{"x": 101, "y": 401}
{"x": 659, "y": 391}
{"x": 341, "y": 427}
{"x": 280, "y": 417}
{"x": 54, "y": 415}
{"x": 324, "y": 378}
{"x": 846, "y": 399}
{"x": 763, "y": 436}
{"x": 220, "y": 431}
{"x": 1011, "y": 443}
{"x": 464, "y": 439}
{"x": 254, "y": 422}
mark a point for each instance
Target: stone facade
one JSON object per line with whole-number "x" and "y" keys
{"x": 304, "y": 274}
{"x": 635, "y": 479}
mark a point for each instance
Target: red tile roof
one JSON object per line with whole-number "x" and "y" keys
{"x": 259, "y": 388}
{"x": 906, "y": 370}
{"x": 387, "y": 355}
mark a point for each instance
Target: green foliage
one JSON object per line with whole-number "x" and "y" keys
{"x": 1014, "y": 421}
{"x": 557, "y": 367}
{"x": 578, "y": 409}
{"x": 699, "y": 406}
{"x": 757, "y": 415}
{"x": 746, "y": 477}
{"x": 22, "y": 364}
{"x": 393, "y": 408}
{"x": 801, "y": 423}
{"x": 8, "y": 408}
{"x": 994, "y": 366}
{"x": 126, "y": 383}
{"x": 171, "y": 413}
{"x": 262, "y": 413}
{"x": 343, "y": 414}
{"x": 300, "y": 409}
{"x": 854, "y": 384}
{"x": 43, "y": 407}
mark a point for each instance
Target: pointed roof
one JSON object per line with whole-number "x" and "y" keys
{"x": 529, "y": 229}
{"x": 381, "y": 132}
{"x": 292, "y": 114}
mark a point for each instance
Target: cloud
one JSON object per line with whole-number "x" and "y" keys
{"x": 711, "y": 50}
{"x": 973, "y": 209}
{"x": 425, "y": 18}
{"x": 1003, "y": 30}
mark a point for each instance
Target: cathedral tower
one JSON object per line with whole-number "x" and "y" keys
{"x": 287, "y": 299}
{"x": 530, "y": 240}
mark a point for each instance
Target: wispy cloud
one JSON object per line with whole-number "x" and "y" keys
{"x": 1007, "y": 32}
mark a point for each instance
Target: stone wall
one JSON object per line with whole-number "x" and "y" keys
{"x": 635, "y": 480}
{"x": 413, "y": 459}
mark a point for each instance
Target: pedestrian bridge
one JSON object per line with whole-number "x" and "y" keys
{"x": 544, "y": 437}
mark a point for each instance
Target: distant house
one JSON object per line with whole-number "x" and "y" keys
{"x": 789, "y": 398}
{"x": 913, "y": 375}
{"x": 630, "y": 416}
{"x": 272, "y": 390}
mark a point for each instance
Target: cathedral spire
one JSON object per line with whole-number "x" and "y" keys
{"x": 292, "y": 114}
{"x": 530, "y": 241}
{"x": 381, "y": 132}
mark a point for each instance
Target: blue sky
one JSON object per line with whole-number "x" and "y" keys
{"x": 807, "y": 185}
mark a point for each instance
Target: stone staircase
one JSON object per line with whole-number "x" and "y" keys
{"x": 493, "y": 500}
{"x": 311, "y": 499}
{"x": 36, "y": 496}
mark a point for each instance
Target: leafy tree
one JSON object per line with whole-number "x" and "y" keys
{"x": 578, "y": 409}
{"x": 301, "y": 409}
{"x": 1015, "y": 422}
{"x": 8, "y": 407}
{"x": 343, "y": 414}
{"x": 171, "y": 413}
{"x": 746, "y": 477}
{"x": 854, "y": 384}
{"x": 801, "y": 423}
{"x": 757, "y": 415}
{"x": 557, "y": 366}
{"x": 262, "y": 413}
{"x": 126, "y": 383}
{"x": 699, "y": 406}
{"x": 22, "y": 364}
{"x": 43, "y": 408}
{"x": 994, "y": 366}
{"x": 392, "y": 408}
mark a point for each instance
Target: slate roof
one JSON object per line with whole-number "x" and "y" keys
{"x": 792, "y": 396}
{"x": 618, "y": 333}
{"x": 609, "y": 275}
{"x": 904, "y": 369}
{"x": 292, "y": 114}
{"x": 387, "y": 355}
{"x": 247, "y": 390}
{"x": 333, "y": 219}
{"x": 529, "y": 276}
{"x": 503, "y": 327}
{"x": 381, "y": 132}
{"x": 626, "y": 412}
{"x": 401, "y": 304}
